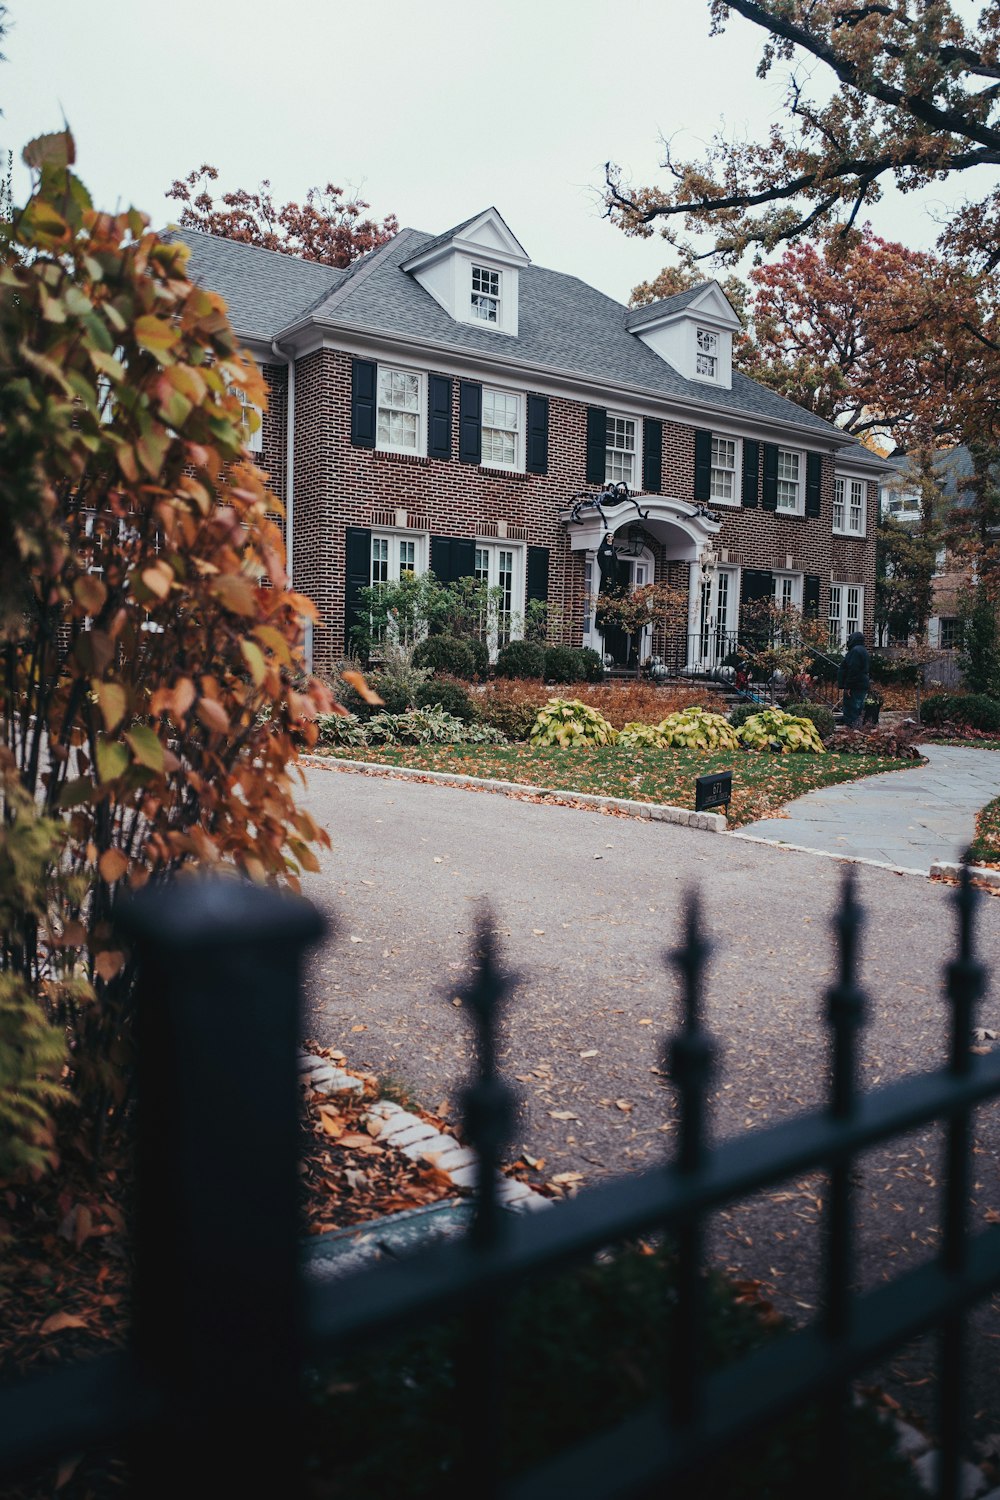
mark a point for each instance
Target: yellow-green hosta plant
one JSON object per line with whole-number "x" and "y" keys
{"x": 643, "y": 736}
{"x": 568, "y": 722}
{"x": 697, "y": 729}
{"x": 772, "y": 729}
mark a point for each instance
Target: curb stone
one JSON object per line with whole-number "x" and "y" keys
{"x": 947, "y": 870}
{"x": 656, "y": 811}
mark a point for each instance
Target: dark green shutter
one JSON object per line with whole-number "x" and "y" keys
{"x": 810, "y": 596}
{"x": 769, "y": 497}
{"x": 358, "y": 576}
{"x": 755, "y": 583}
{"x": 537, "y": 456}
{"x": 537, "y": 583}
{"x": 814, "y": 478}
{"x": 702, "y": 465}
{"x": 597, "y": 444}
{"x": 452, "y": 558}
{"x": 652, "y": 455}
{"x": 439, "y": 417}
{"x": 470, "y": 422}
{"x": 363, "y": 377}
{"x": 751, "y": 472}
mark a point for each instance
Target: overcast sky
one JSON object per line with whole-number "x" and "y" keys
{"x": 437, "y": 109}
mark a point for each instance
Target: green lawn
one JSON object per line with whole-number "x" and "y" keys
{"x": 762, "y": 782}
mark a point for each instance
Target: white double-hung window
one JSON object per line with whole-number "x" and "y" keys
{"x": 620, "y": 458}
{"x": 501, "y": 429}
{"x": 399, "y": 424}
{"x": 706, "y": 357}
{"x": 847, "y": 611}
{"x": 724, "y": 482}
{"x": 849, "y": 506}
{"x": 789, "y": 496}
{"x": 485, "y": 294}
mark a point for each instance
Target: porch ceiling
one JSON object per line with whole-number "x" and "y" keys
{"x": 684, "y": 530}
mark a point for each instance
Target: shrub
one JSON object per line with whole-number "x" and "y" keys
{"x": 897, "y": 672}
{"x": 568, "y": 722}
{"x": 443, "y": 653}
{"x": 511, "y": 706}
{"x": 821, "y": 715}
{"x": 480, "y": 657}
{"x": 591, "y": 665}
{"x": 341, "y": 729}
{"x": 563, "y": 664}
{"x": 446, "y": 693}
{"x": 521, "y": 659}
{"x": 427, "y": 726}
{"x": 773, "y": 729}
{"x": 742, "y": 712}
{"x": 695, "y": 728}
{"x": 635, "y": 701}
{"x": 642, "y": 736}
{"x": 891, "y": 744}
{"x": 973, "y": 709}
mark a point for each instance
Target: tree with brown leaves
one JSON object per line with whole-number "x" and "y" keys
{"x": 328, "y": 227}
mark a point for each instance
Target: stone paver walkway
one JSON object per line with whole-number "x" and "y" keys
{"x": 906, "y": 819}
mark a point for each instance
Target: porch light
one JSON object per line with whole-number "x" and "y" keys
{"x": 635, "y": 541}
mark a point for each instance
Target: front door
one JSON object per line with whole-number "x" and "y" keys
{"x": 629, "y": 573}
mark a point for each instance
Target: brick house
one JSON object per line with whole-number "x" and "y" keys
{"x": 442, "y": 402}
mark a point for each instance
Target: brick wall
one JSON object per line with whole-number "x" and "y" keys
{"x": 338, "y": 485}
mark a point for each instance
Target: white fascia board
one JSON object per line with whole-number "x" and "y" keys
{"x": 260, "y": 349}
{"x": 548, "y": 380}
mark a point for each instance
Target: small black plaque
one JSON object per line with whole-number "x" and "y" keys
{"x": 713, "y": 791}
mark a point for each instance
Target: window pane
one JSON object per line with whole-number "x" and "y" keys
{"x": 838, "y": 505}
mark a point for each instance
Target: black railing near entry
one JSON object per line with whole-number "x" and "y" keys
{"x": 208, "y": 1396}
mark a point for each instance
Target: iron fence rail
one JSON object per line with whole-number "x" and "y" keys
{"x": 225, "y": 1321}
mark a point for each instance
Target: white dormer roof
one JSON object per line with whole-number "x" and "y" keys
{"x": 472, "y": 271}
{"x": 692, "y": 331}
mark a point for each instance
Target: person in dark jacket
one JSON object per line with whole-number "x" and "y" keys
{"x": 853, "y": 678}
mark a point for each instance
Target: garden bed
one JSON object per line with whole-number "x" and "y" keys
{"x": 985, "y": 847}
{"x": 762, "y": 783}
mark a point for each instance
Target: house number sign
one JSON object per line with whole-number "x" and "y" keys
{"x": 713, "y": 791}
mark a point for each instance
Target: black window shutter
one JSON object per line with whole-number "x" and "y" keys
{"x": 538, "y": 574}
{"x": 439, "y": 417}
{"x": 537, "y": 458}
{"x": 702, "y": 465}
{"x": 814, "y": 476}
{"x": 597, "y": 444}
{"x": 453, "y": 557}
{"x": 470, "y": 422}
{"x": 769, "y": 497}
{"x": 810, "y": 596}
{"x": 751, "y": 472}
{"x": 363, "y": 378}
{"x": 358, "y": 576}
{"x": 755, "y": 583}
{"x": 652, "y": 455}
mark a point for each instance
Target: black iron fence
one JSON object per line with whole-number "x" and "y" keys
{"x": 724, "y": 658}
{"x": 208, "y": 1394}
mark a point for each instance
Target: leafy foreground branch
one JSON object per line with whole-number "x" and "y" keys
{"x": 151, "y": 701}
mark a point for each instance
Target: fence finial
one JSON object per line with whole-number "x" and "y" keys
{"x": 488, "y": 1104}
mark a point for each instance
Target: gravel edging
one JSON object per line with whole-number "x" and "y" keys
{"x": 656, "y": 811}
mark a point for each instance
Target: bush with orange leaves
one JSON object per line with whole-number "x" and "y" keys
{"x": 151, "y": 692}
{"x": 511, "y": 706}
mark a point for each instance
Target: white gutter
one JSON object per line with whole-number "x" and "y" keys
{"x": 289, "y": 361}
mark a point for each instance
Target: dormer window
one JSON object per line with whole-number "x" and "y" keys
{"x": 707, "y": 354}
{"x": 485, "y": 294}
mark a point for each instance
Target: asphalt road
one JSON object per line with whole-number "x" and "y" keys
{"x": 585, "y": 906}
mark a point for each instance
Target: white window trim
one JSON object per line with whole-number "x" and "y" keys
{"x": 517, "y": 467}
{"x": 494, "y": 546}
{"x": 481, "y": 266}
{"x": 715, "y": 353}
{"x": 625, "y": 416}
{"x": 420, "y": 451}
{"x": 737, "y": 500}
{"x": 800, "y": 505}
{"x": 394, "y": 536}
{"x": 797, "y": 580}
{"x": 847, "y": 480}
{"x": 843, "y": 631}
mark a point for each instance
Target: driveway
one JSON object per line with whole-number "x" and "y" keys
{"x": 585, "y": 905}
{"x": 907, "y": 819}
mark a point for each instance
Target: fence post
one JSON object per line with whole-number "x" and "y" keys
{"x": 217, "y": 1321}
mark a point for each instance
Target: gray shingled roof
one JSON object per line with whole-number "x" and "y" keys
{"x": 264, "y": 289}
{"x": 563, "y": 324}
{"x": 637, "y": 317}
